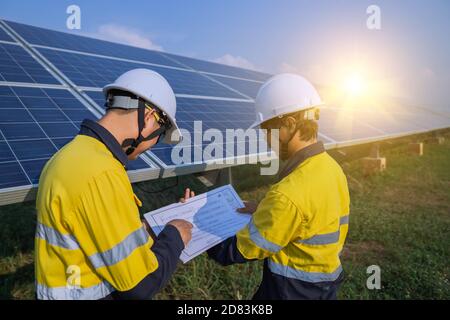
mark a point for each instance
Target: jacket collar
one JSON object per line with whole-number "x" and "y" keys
{"x": 299, "y": 157}
{"x": 93, "y": 129}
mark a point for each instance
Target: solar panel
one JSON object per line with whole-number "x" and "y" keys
{"x": 62, "y": 40}
{"x": 432, "y": 121}
{"x": 4, "y": 36}
{"x": 39, "y": 114}
{"x": 390, "y": 124}
{"x": 16, "y": 65}
{"x": 34, "y": 124}
{"x": 56, "y": 39}
{"x": 343, "y": 127}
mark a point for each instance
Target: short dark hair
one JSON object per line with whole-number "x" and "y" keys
{"x": 308, "y": 129}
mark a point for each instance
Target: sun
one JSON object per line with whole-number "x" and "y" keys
{"x": 354, "y": 85}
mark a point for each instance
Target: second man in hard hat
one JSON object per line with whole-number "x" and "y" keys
{"x": 300, "y": 226}
{"x": 90, "y": 242}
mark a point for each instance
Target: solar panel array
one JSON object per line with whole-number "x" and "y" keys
{"x": 50, "y": 81}
{"x": 92, "y": 71}
{"x": 38, "y": 116}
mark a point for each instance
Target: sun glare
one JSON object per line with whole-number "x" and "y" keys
{"x": 360, "y": 86}
{"x": 354, "y": 85}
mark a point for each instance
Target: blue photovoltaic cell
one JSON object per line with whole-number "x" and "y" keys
{"x": 34, "y": 124}
{"x": 4, "y": 36}
{"x": 16, "y": 65}
{"x": 56, "y": 39}
{"x": 214, "y": 114}
{"x": 92, "y": 71}
{"x": 212, "y": 67}
{"x": 97, "y": 96}
{"x": 12, "y": 175}
{"x": 249, "y": 88}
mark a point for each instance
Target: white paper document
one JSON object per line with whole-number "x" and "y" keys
{"x": 213, "y": 215}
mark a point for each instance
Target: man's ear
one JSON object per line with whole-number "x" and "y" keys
{"x": 290, "y": 123}
{"x": 149, "y": 119}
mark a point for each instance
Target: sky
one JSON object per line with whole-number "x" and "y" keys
{"x": 328, "y": 42}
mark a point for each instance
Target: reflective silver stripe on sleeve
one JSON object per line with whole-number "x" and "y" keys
{"x": 344, "y": 220}
{"x": 259, "y": 240}
{"x": 326, "y": 238}
{"x": 290, "y": 272}
{"x": 56, "y": 238}
{"x": 74, "y": 293}
{"x": 121, "y": 250}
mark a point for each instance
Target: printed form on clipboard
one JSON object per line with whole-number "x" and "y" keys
{"x": 213, "y": 215}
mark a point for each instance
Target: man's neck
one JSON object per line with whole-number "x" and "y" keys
{"x": 114, "y": 127}
{"x": 296, "y": 146}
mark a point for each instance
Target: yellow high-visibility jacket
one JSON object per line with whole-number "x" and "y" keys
{"x": 301, "y": 224}
{"x": 89, "y": 238}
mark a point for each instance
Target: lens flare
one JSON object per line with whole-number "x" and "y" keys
{"x": 355, "y": 85}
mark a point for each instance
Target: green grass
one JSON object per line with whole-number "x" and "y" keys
{"x": 400, "y": 221}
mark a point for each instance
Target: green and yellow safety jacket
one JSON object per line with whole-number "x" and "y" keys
{"x": 299, "y": 228}
{"x": 90, "y": 242}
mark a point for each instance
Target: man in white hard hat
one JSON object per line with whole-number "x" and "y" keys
{"x": 90, "y": 242}
{"x": 300, "y": 226}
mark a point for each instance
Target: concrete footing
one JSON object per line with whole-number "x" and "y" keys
{"x": 416, "y": 148}
{"x": 373, "y": 165}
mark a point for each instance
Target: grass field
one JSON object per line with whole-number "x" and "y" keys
{"x": 400, "y": 221}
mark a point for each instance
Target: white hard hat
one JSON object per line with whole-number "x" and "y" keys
{"x": 153, "y": 88}
{"x": 282, "y": 94}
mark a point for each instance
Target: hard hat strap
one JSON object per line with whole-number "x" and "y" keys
{"x": 133, "y": 143}
{"x": 121, "y": 102}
